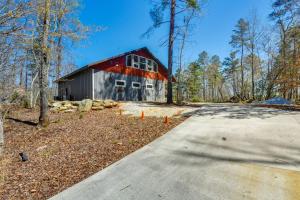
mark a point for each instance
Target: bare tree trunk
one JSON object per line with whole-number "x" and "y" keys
{"x": 59, "y": 41}
{"x": 242, "y": 72}
{"x": 170, "y": 52}
{"x": 220, "y": 88}
{"x": 26, "y": 78}
{"x": 1, "y": 134}
{"x": 21, "y": 74}
{"x": 204, "y": 86}
{"x": 179, "y": 93}
{"x": 43, "y": 73}
{"x": 32, "y": 96}
{"x": 252, "y": 71}
{"x": 185, "y": 33}
{"x": 59, "y": 57}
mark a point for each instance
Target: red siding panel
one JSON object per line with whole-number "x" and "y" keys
{"x": 118, "y": 65}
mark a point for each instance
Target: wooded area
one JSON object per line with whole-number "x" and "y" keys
{"x": 36, "y": 36}
{"x": 264, "y": 61}
{"x": 69, "y": 143}
{"x": 35, "y": 39}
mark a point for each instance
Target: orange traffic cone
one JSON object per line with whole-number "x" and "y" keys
{"x": 166, "y": 120}
{"x": 142, "y": 115}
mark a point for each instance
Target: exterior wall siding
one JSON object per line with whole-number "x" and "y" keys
{"x": 97, "y": 80}
{"x": 118, "y": 65}
{"x": 77, "y": 87}
{"x": 104, "y": 87}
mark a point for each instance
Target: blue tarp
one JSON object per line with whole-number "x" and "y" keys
{"x": 278, "y": 101}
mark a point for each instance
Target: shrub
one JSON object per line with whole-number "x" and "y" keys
{"x": 195, "y": 99}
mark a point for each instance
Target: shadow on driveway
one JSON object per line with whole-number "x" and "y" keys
{"x": 232, "y": 111}
{"x": 263, "y": 152}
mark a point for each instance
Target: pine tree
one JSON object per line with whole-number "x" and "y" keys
{"x": 157, "y": 15}
{"x": 203, "y": 61}
{"x": 193, "y": 81}
{"x": 230, "y": 72}
{"x": 239, "y": 40}
{"x": 214, "y": 76}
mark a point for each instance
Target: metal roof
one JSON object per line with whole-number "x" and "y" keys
{"x": 104, "y": 60}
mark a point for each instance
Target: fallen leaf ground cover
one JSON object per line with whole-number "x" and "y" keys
{"x": 72, "y": 148}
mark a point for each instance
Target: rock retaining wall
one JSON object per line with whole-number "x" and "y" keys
{"x": 81, "y": 106}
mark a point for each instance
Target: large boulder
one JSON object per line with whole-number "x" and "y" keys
{"x": 85, "y": 105}
{"x": 54, "y": 109}
{"x": 67, "y": 103}
{"x": 97, "y": 103}
{"x": 98, "y": 100}
{"x": 76, "y": 103}
{"x": 97, "y": 108}
{"x": 73, "y": 107}
{"x": 109, "y": 103}
{"x": 62, "y": 108}
{"x": 69, "y": 111}
{"x": 56, "y": 104}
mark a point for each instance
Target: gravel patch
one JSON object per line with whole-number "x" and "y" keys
{"x": 156, "y": 110}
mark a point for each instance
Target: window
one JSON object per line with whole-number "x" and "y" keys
{"x": 155, "y": 66}
{"x": 129, "y": 61}
{"x": 136, "y": 85}
{"x": 142, "y": 63}
{"x": 149, "y": 86}
{"x": 120, "y": 83}
{"x": 149, "y": 65}
{"x": 136, "y": 61}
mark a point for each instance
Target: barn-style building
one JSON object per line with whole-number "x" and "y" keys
{"x": 132, "y": 76}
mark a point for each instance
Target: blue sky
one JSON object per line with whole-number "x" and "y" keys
{"x": 127, "y": 20}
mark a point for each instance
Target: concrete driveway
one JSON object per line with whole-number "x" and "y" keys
{"x": 221, "y": 152}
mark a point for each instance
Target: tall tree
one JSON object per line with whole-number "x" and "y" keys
{"x": 12, "y": 14}
{"x": 67, "y": 29}
{"x": 12, "y": 23}
{"x": 177, "y": 8}
{"x": 286, "y": 15}
{"x": 56, "y": 28}
{"x": 44, "y": 24}
{"x": 239, "y": 40}
{"x": 214, "y": 76}
{"x": 170, "y": 52}
{"x": 230, "y": 68}
{"x": 203, "y": 61}
{"x": 254, "y": 34}
{"x": 194, "y": 81}
{"x": 184, "y": 32}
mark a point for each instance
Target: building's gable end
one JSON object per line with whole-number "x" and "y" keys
{"x": 118, "y": 65}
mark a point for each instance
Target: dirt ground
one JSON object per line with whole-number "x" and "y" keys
{"x": 73, "y": 147}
